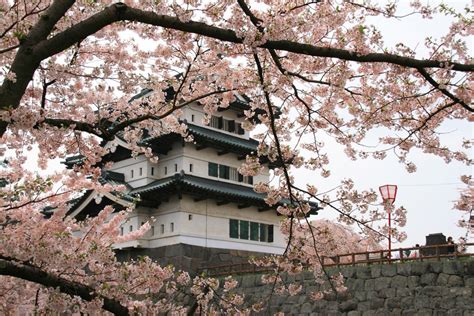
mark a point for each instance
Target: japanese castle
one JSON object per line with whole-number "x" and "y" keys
{"x": 194, "y": 192}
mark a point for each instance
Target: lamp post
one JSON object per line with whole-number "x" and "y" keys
{"x": 389, "y": 193}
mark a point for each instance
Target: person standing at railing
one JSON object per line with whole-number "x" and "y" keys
{"x": 416, "y": 252}
{"x": 451, "y": 246}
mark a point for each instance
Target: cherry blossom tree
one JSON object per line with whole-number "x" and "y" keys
{"x": 311, "y": 68}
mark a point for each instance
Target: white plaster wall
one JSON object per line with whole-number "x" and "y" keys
{"x": 201, "y": 158}
{"x": 201, "y": 223}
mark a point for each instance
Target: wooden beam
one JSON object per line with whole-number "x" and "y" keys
{"x": 199, "y": 199}
{"x": 222, "y": 152}
{"x": 200, "y": 147}
{"x": 241, "y": 157}
{"x": 223, "y": 202}
{"x": 264, "y": 208}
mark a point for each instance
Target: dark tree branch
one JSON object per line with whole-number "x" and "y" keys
{"x": 28, "y": 272}
{"x": 435, "y": 84}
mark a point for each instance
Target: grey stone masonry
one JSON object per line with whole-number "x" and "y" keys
{"x": 443, "y": 287}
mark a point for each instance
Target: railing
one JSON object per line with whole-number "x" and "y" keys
{"x": 369, "y": 257}
{"x": 398, "y": 255}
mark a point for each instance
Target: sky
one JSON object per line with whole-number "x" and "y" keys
{"x": 428, "y": 194}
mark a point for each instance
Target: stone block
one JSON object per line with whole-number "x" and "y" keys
{"x": 363, "y": 306}
{"x": 354, "y": 313}
{"x": 425, "y": 312}
{"x": 470, "y": 267}
{"x": 347, "y": 306}
{"x": 376, "y": 303}
{"x": 395, "y": 312}
{"x": 419, "y": 268}
{"x": 428, "y": 279}
{"x": 404, "y": 269}
{"x": 461, "y": 291}
{"x": 422, "y": 301}
{"x": 455, "y": 280}
{"x": 413, "y": 281}
{"x": 382, "y": 283}
{"x": 452, "y": 267}
{"x": 355, "y": 285}
{"x": 402, "y": 292}
{"x": 371, "y": 295}
{"x": 469, "y": 282}
{"x": 399, "y": 281}
{"x": 442, "y": 279}
{"x": 369, "y": 313}
{"x": 454, "y": 312}
{"x": 407, "y": 302}
{"x": 436, "y": 266}
{"x": 348, "y": 271}
{"x": 392, "y": 303}
{"x": 433, "y": 291}
{"x": 409, "y": 312}
{"x": 370, "y": 284}
{"x": 360, "y": 295}
{"x": 363, "y": 272}
{"x": 389, "y": 270}
{"x": 376, "y": 271}
{"x": 386, "y": 293}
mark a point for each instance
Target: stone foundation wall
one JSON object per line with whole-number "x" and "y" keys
{"x": 187, "y": 257}
{"x": 443, "y": 287}
{"x": 416, "y": 288}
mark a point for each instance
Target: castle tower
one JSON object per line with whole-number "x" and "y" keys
{"x": 195, "y": 192}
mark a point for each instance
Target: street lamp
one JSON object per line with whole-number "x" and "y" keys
{"x": 389, "y": 193}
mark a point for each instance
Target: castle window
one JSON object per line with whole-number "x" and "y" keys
{"x": 131, "y": 228}
{"x": 213, "y": 169}
{"x": 254, "y": 231}
{"x": 140, "y": 171}
{"x": 244, "y": 230}
{"x": 226, "y": 125}
{"x": 215, "y": 121}
{"x": 190, "y": 167}
{"x": 152, "y": 171}
{"x": 153, "y": 230}
{"x": 233, "y": 174}
{"x": 175, "y": 167}
{"x": 172, "y": 227}
{"x": 224, "y": 172}
{"x": 239, "y": 129}
{"x": 166, "y": 170}
{"x": 239, "y": 229}
{"x": 233, "y": 228}
{"x": 162, "y": 228}
{"x": 192, "y": 117}
{"x": 121, "y": 231}
{"x": 131, "y": 173}
{"x": 190, "y": 217}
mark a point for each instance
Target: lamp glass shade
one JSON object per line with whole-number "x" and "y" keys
{"x": 388, "y": 192}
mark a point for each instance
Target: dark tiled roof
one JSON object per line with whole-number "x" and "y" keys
{"x": 238, "y": 143}
{"x": 208, "y": 188}
{"x": 193, "y": 183}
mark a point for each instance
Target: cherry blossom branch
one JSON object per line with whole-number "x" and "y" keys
{"x": 108, "y": 134}
{"x": 29, "y": 272}
{"x": 36, "y": 47}
{"x": 435, "y": 84}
